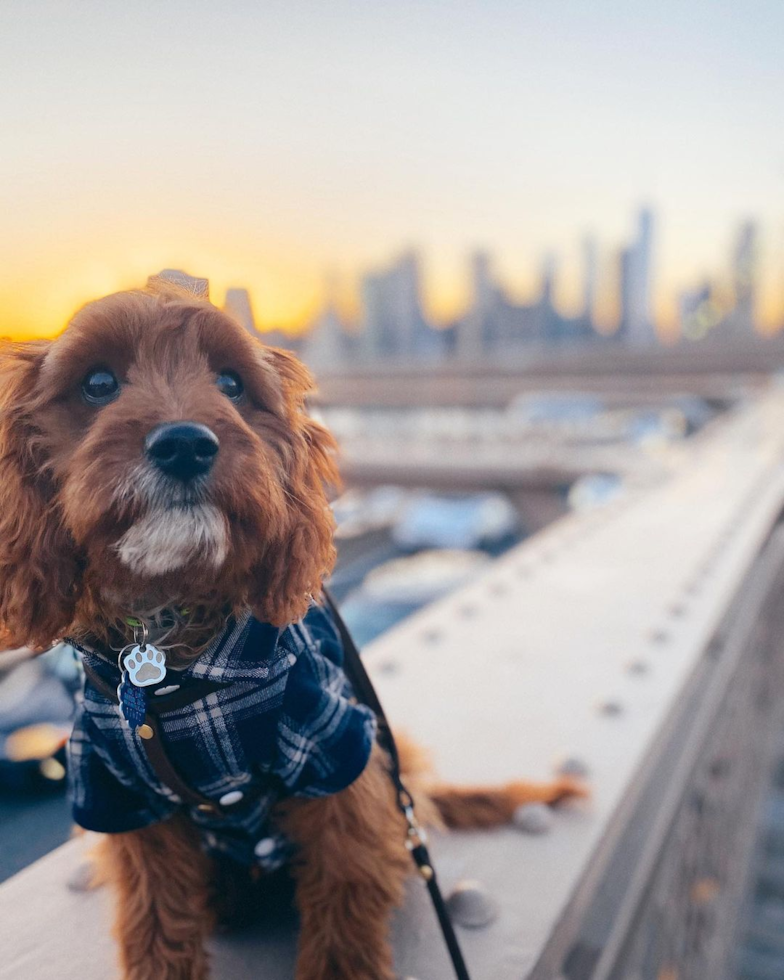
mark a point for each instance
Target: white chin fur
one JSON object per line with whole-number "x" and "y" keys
{"x": 164, "y": 540}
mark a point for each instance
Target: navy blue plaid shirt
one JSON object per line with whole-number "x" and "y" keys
{"x": 285, "y": 724}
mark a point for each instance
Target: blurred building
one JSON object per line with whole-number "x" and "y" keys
{"x": 327, "y": 345}
{"x": 494, "y": 327}
{"x": 727, "y": 314}
{"x": 548, "y": 326}
{"x": 744, "y": 279}
{"x": 380, "y": 336}
{"x": 590, "y": 280}
{"x": 556, "y": 327}
{"x": 193, "y": 284}
{"x": 237, "y": 304}
{"x": 637, "y": 327}
{"x": 394, "y": 325}
{"x": 477, "y": 331}
{"x": 699, "y": 312}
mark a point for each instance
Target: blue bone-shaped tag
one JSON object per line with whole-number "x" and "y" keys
{"x": 133, "y": 702}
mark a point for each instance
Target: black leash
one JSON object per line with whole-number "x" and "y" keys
{"x": 363, "y": 687}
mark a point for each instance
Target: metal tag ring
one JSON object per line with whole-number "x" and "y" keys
{"x": 141, "y": 635}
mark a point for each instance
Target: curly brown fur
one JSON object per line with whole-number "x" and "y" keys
{"x": 38, "y": 564}
{"x": 74, "y": 478}
{"x": 350, "y": 876}
{"x": 159, "y": 876}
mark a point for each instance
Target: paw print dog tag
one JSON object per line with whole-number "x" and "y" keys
{"x": 145, "y": 665}
{"x": 142, "y": 667}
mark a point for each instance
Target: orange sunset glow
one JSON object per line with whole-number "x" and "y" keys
{"x": 272, "y": 147}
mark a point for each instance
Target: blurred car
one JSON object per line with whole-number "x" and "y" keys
{"x": 37, "y": 699}
{"x": 480, "y": 520}
{"x": 396, "y": 589}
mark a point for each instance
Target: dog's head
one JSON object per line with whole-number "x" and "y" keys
{"x": 156, "y": 452}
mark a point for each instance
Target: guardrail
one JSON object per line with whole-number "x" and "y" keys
{"x": 621, "y": 639}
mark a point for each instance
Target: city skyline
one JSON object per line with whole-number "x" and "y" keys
{"x": 393, "y": 326}
{"x": 614, "y": 291}
{"x": 393, "y": 317}
{"x": 265, "y": 144}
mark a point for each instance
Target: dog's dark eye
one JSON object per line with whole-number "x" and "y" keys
{"x": 100, "y": 386}
{"x": 230, "y": 385}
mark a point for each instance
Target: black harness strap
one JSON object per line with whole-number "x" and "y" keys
{"x": 152, "y": 743}
{"x": 363, "y": 687}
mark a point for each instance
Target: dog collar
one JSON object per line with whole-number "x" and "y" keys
{"x": 136, "y": 623}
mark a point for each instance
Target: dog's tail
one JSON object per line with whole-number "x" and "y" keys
{"x": 475, "y": 807}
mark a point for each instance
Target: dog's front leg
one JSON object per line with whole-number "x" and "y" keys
{"x": 160, "y": 879}
{"x": 350, "y": 873}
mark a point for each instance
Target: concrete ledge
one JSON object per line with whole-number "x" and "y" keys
{"x": 526, "y": 666}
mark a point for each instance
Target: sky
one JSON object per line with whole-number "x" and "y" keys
{"x": 273, "y": 145}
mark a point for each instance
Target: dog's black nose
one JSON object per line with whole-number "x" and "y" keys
{"x": 182, "y": 449}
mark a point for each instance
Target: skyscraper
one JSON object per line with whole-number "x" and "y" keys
{"x": 548, "y": 320}
{"x": 744, "y": 278}
{"x": 637, "y": 326}
{"x": 549, "y": 269}
{"x": 326, "y": 343}
{"x": 379, "y": 337}
{"x": 394, "y": 325}
{"x": 478, "y": 330}
{"x": 237, "y": 305}
{"x": 590, "y": 267}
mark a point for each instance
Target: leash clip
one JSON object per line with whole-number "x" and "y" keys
{"x": 416, "y": 832}
{"x": 416, "y": 837}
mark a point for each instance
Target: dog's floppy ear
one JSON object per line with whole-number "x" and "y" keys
{"x": 38, "y": 570}
{"x": 294, "y": 567}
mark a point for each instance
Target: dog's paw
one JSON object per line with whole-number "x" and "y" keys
{"x": 319, "y": 961}
{"x": 339, "y": 971}
{"x": 84, "y": 878}
{"x": 145, "y": 667}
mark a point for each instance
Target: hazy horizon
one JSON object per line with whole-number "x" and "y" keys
{"x": 268, "y": 147}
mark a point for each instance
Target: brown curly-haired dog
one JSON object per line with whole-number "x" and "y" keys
{"x": 98, "y": 523}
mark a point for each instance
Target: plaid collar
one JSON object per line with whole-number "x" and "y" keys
{"x": 245, "y": 650}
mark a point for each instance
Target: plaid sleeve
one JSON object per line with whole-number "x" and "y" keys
{"x": 324, "y": 738}
{"x": 100, "y": 801}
